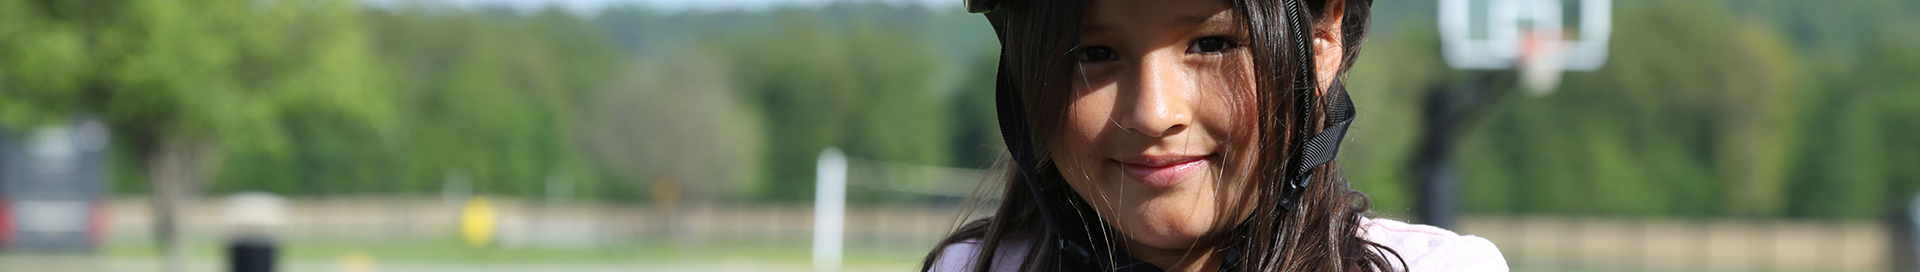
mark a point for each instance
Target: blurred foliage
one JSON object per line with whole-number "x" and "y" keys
{"x": 698, "y": 129}
{"x": 1705, "y": 108}
{"x": 173, "y": 77}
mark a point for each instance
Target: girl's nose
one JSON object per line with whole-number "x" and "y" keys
{"x": 1156, "y": 102}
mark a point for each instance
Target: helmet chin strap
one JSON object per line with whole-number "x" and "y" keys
{"x": 1320, "y": 149}
{"x": 1080, "y": 235}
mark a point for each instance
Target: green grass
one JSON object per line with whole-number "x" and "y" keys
{"x": 451, "y": 251}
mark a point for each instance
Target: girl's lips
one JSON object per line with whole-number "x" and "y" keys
{"x": 1161, "y": 172}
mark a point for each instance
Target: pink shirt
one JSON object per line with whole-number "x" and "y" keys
{"x": 1426, "y": 248}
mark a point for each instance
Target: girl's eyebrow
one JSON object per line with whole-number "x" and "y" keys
{"x": 1196, "y": 19}
{"x": 1185, "y": 20}
{"x": 1093, "y": 29}
{"x": 1222, "y": 22}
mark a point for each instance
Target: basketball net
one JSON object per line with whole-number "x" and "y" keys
{"x": 1542, "y": 56}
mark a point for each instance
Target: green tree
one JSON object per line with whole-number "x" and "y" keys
{"x": 677, "y": 122}
{"x": 182, "y": 81}
{"x": 495, "y": 98}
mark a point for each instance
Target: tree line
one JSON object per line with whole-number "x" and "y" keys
{"x": 1705, "y": 108}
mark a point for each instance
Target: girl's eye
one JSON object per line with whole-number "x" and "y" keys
{"x": 1098, "y": 54}
{"x": 1210, "y": 45}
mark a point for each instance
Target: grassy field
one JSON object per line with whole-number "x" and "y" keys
{"x": 418, "y": 235}
{"x": 449, "y": 255}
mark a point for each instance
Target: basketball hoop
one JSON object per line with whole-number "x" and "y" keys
{"x": 1526, "y": 35}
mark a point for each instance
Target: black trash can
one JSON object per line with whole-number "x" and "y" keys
{"x": 251, "y": 253}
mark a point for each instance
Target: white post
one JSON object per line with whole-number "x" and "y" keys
{"x": 829, "y": 209}
{"x": 454, "y": 191}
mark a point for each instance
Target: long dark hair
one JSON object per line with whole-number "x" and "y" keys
{"x": 1318, "y": 231}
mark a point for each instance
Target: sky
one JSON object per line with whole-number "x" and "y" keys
{"x": 592, "y": 6}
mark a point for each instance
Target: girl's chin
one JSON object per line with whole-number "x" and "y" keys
{"x": 1177, "y": 240}
{"x": 1179, "y": 232}
{"x": 1166, "y": 218}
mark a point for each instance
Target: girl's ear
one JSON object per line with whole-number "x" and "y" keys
{"x": 1328, "y": 50}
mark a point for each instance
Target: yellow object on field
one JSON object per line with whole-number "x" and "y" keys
{"x": 477, "y": 222}
{"x": 356, "y": 261}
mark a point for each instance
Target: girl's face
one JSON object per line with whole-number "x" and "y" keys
{"x": 1161, "y": 111}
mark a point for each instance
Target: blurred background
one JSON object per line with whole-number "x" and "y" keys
{"x": 610, "y": 135}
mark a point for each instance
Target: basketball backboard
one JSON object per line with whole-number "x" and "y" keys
{"x": 1533, "y": 36}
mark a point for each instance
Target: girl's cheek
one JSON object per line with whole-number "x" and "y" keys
{"x": 1076, "y": 145}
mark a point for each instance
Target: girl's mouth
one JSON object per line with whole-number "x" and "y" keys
{"x": 1161, "y": 171}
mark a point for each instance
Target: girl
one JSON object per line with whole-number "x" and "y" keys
{"x": 1184, "y": 135}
